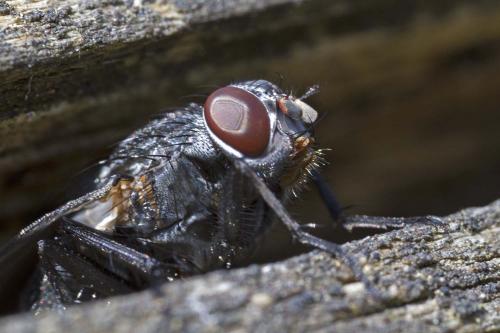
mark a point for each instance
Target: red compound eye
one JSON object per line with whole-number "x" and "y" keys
{"x": 239, "y": 119}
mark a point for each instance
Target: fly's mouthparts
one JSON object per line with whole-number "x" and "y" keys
{"x": 302, "y": 142}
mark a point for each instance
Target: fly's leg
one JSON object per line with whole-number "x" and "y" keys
{"x": 387, "y": 223}
{"x": 328, "y": 197}
{"x": 131, "y": 265}
{"x": 364, "y": 221}
{"x": 302, "y": 236}
{"x": 66, "y": 278}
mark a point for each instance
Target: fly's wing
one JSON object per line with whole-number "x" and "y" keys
{"x": 17, "y": 255}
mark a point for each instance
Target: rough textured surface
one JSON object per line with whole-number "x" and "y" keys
{"x": 432, "y": 279}
{"x": 38, "y": 31}
{"x": 78, "y": 75}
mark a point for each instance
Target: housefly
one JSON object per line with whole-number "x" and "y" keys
{"x": 190, "y": 192}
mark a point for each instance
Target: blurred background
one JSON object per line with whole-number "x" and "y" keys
{"x": 410, "y": 93}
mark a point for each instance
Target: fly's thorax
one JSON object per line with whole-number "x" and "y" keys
{"x": 173, "y": 135}
{"x": 184, "y": 189}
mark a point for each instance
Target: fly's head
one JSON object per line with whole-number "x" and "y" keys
{"x": 269, "y": 129}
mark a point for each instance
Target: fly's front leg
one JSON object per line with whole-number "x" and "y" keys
{"x": 328, "y": 197}
{"x": 303, "y": 237}
{"x": 365, "y": 221}
{"x": 387, "y": 223}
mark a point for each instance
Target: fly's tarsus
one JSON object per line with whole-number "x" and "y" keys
{"x": 351, "y": 222}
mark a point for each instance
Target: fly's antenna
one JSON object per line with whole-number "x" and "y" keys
{"x": 311, "y": 91}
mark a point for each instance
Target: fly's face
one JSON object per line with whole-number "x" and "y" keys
{"x": 269, "y": 129}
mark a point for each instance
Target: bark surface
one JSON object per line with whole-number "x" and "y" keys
{"x": 79, "y": 75}
{"x": 444, "y": 279}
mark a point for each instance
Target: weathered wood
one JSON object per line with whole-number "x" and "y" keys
{"x": 37, "y": 31}
{"x": 432, "y": 279}
{"x": 75, "y": 76}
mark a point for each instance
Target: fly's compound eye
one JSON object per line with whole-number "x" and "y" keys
{"x": 239, "y": 119}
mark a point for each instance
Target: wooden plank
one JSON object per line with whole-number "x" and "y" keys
{"x": 432, "y": 280}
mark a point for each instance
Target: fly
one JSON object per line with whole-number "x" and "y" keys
{"x": 190, "y": 192}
